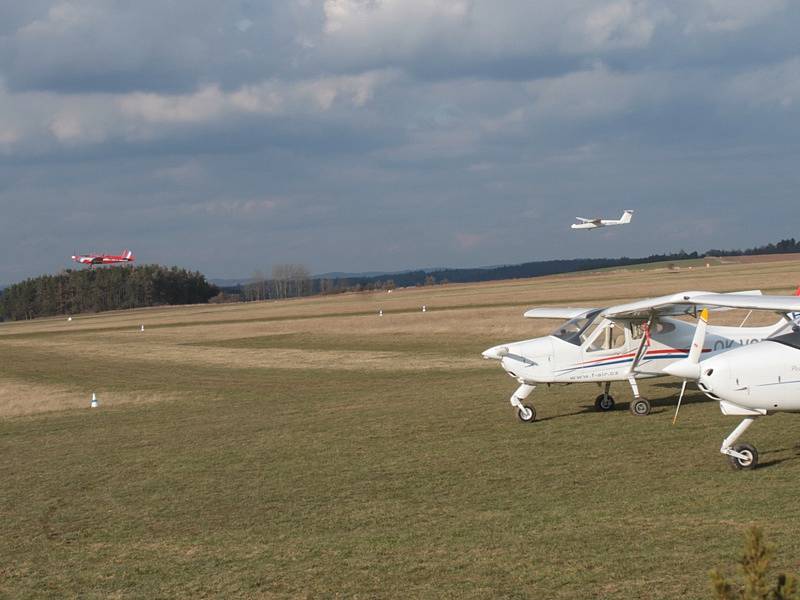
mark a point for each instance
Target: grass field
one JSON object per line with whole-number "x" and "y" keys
{"x": 310, "y": 448}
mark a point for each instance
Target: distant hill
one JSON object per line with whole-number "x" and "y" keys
{"x": 231, "y": 283}
{"x": 340, "y": 275}
{"x": 538, "y": 268}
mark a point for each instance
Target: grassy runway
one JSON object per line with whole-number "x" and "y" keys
{"x": 310, "y": 448}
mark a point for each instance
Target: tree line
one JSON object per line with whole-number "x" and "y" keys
{"x": 95, "y": 290}
{"x": 289, "y": 281}
{"x": 540, "y": 268}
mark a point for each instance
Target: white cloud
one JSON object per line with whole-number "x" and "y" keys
{"x": 594, "y": 93}
{"x": 200, "y": 106}
{"x": 623, "y": 24}
{"x": 366, "y": 16}
{"x": 729, "y": 15}
{"x": 8, "y": 137}
{"x": 775, "y": 85}
{"x": 270, "y": 97}
{"x": 34, "y": 120}
{"x": 61, "y": 18}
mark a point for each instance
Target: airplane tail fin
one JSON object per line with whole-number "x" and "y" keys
{"x": 626, "y": 216}
{"x": 128, "y": 255}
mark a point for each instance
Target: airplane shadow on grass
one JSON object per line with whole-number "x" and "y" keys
{"x": 795, "y": 455}
{"x": 658, "y": 405}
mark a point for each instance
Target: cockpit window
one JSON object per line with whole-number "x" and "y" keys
{"x": 576, "y": 330}
{"x": 789, "y": 339}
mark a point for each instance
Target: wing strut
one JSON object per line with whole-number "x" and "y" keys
{"x": 642, "y": 345}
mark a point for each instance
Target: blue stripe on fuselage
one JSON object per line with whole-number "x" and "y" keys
{"x": 625, "y": 360}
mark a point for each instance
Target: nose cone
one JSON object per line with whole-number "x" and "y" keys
{"x": 495, "y": 352}
{"x": 685, "y": 369}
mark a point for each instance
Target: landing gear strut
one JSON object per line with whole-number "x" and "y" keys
{"x": 605, "y": 401}
{"x": 526, "y": 413}
{"x": 740, "y": 456}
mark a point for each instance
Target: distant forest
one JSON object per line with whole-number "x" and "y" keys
{"x": 529, "y": 269}
{"x": 95, "y": 290}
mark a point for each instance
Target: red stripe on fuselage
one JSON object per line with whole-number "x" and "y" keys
{"x": 648, "y": 353}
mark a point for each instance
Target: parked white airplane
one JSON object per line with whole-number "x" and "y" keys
{"x": 750, "y": 381}
{"x": 597, "y": 223}
{"x": 624, "y": 343}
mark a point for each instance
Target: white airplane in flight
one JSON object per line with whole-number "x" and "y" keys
{"x": 626, "y": 343}
{"x": 750, "y": 381}
{"x": 597, "y": 223}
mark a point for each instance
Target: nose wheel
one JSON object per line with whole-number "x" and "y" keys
{"x": 741, "y": 456}
{"x": 746, "y": 457}
{"x": 526, "y": 413}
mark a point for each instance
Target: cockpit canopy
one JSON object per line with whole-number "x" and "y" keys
{"x": 791, "y": 339}
{"x": 576, "y": 331}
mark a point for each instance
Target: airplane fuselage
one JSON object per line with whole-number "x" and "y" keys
{"x": 551, "y": 359}
{"x": 104, "y": 259}
{"x": 595, "y": 225}
{"x": 758, "y": 379}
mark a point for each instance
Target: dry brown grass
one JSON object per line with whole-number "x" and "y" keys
{"x": 20, "y": 399}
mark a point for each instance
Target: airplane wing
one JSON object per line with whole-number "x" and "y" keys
{"x": 595, "y": 221}
{"x": 686, "y": 303}
{"x": 556, "y": 312}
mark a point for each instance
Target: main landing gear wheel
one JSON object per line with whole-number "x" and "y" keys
{"x": 604, "y": 403}
{"x": 526, "y": 414}
{"x": 749, "y": 462}
{"x": 640, "y": 407}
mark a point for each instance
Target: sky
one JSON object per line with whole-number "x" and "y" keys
{"x": 381, "y": 135}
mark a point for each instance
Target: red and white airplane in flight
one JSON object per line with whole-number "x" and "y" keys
{"x": 104, "y": 259}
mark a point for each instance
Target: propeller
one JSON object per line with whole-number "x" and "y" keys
{"x": 689, "y": 367}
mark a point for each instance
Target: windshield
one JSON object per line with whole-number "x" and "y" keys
{"x": 576, "y": 330}
{"x": 788, "y": 339}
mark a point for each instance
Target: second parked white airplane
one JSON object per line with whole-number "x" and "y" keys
{"x": 597, "y": 223}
